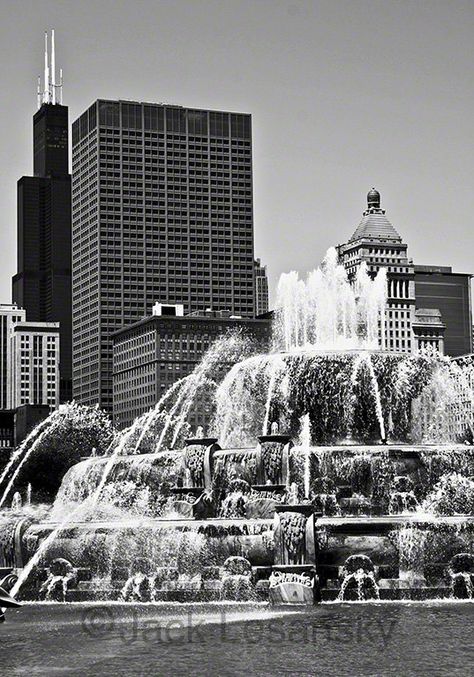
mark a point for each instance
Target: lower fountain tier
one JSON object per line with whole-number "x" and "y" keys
{"x": 238, "y": 526}
{"x": 385, "y": 523}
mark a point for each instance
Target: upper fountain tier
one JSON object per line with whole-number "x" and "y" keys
{"x": 327, "y": 312}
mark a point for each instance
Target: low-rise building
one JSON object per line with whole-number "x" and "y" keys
{"x": 10, "y": 315}
{"x": 35, "y": 364}
{"x": 428, "y": 329}
{"x": 151, "y": 355}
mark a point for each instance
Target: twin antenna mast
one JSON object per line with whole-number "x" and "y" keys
{"x": 53, "y": 90}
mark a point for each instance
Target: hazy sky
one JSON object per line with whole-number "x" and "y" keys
{"x": 344, "y": 95}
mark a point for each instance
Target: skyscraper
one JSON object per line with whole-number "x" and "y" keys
{"x": 162, "y": 212}
{"x": 42, "y": 285}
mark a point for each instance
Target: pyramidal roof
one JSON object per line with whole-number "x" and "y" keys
{"x": 374, "y": 224}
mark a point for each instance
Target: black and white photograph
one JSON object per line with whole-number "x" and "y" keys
{"x": 236, "y": 338}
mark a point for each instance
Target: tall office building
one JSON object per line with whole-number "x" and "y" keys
{"x": 261, "y": 289}
{"x": 162, "y": 212}
{"x": 10, "y": 315}
{"x": 42, "y": 285}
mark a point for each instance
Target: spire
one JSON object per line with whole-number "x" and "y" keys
{"x": 52, "y": 92}
{"x": 53, "y": 69}
{"x": 46, "y": 92}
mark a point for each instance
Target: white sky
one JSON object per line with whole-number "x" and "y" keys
{"x": 344, "y": 95}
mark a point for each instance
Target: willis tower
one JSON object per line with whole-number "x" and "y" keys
{"x": 42, "y": 285}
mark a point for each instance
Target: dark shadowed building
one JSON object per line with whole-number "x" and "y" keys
{"x": 42, "y": 285}
{"x": 438, "y": 287}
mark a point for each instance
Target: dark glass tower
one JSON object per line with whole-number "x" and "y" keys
{"x": 42, "y": 285}
{"x": 162, "y": 212}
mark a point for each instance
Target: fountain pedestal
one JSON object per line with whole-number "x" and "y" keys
{"x": 198, "y": 456}
{"x": 294, "y": 579}
{"x": 294, "y": 584}
{"x": 294, "y": 534}
{"x": 273, "y": 459}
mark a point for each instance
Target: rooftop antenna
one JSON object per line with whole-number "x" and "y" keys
{"x": 38, "y": 91}
{"x": 53, "y": 89}
{"x": 61, "y": 86}
{"x": 53, "y": 69}
{"x": 46, "y": 70}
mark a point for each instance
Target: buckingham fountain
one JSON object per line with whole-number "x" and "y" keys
{"x": 333, "y": 470}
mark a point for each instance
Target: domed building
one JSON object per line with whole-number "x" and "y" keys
{"x": 426, "y": 305}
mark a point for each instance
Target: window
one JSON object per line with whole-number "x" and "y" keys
{"x": 197, "y": 122}
{"x": 219, "y": 124}
{"x": 109, "y": 113}
{"x": 241, "y": 126}
{"x": 175, "y": 120}
{"x": 131, "y": 116}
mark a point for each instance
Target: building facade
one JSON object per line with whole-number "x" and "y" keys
{"x": 10, "y": 315}
{"x": 427, "y": 306}
{"x": 42, "y": 284}
{"x": 376, "y": 243}
{"x": 7, "y": 435}
{"x": 437, "y": 287}
{"x": 154, "y": 353}
{"x": 429, "y": 329}
{"x": 35, "y": 352}
{"x": 261, "y": 289}
{"x": 162, "y": 211}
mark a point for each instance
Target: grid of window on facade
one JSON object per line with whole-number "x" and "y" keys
{"x": 396, "y": 335}
{"x": 156, "y": 353}
{"x": 261, "y": 289}
{"x": 9, "y": 316}
{"x": 35, "y": 368}
{"x": 162, "y": 211}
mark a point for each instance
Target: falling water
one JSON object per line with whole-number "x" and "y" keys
{"x": 26, "y": 456}
{"x": 328, "y": 312}
{"x": 18, "y": 453}
{"x": 223, "y": 352}
{"x": 16, "y": 501}
{"x": 277, "y": 366}
{"x": 305, "y": 437}
{"x": 365, "y": 359}
{"x": 158, "y": 409}
{"x": 89, "y": 501}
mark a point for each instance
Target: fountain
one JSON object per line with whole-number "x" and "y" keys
{"x": 317, "y": 480}
{"x": 358, "y": 580}
{"x": 461, "y": 573}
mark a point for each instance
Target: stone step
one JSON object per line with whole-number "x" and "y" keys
{"x": 428, "y": 593}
